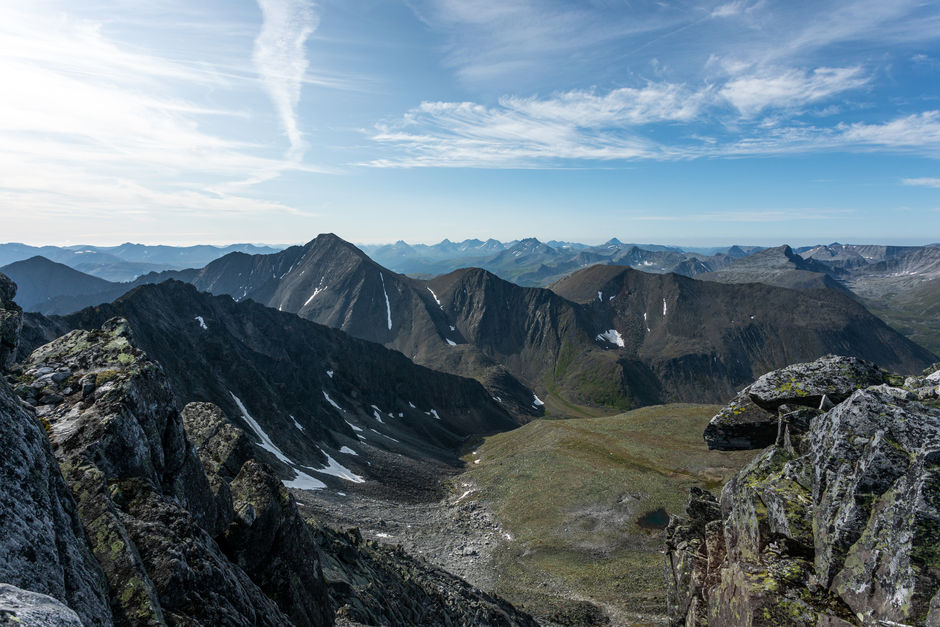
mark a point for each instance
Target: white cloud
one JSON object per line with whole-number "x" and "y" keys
{"x": 281, "y": 60}
{"x": 520, "y": 132}
{"x": 729, "y": 9}
{"x": 790, "y": 88}
{"x": 923, "y": 182}
{"x": 919, "y": 130}
{"x": 89, "y": 125}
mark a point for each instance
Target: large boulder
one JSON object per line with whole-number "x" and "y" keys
{"x": 741, "y": 425}
{"x": 267, "y": 537}
{"x": 835, "y": 523}
{"x": 876, "y": 506}
{"x": 833, "y": 377}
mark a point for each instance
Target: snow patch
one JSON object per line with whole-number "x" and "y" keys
{"x": 450, "y": 341}
{"x": 329, "y": 373}
{"x": 664, "y": 307}
{"x": 331, "y": 401}
{"x": 312, "y": 296}
{"x": 612, "y": 336}
{"x": 336, "y": 469}
{"x": 297, "y": 424}
{"x": 411, "y": 405}
{"x": 536, "y": 401}
{"x": 388, "y": 306}
{"x": 645, "y": 322}
{"x": 384, "y": 436}
{"x": 266, "y": 442}
{"x": 383, "y": 535}
{"x": 433, "y": 412}
{"x": 202, "y": 322}
{"x": 375, "y": 412}
{"x": 435, "y": 299}
{"x": 348, "y": 451}
{"x": 463, "y": 496}
{"x": 303, "y": 481}
{"x": 600, "y": 296}
{"x": 354, "y": 427}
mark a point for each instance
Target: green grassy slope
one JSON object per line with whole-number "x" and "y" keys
{"x": 569, "y": 494}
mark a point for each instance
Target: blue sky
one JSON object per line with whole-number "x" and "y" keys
{"x": 699, "y": 122}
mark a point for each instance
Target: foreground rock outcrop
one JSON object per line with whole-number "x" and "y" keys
{"x": 43, "y": 549}
{"x": 837, "y": 522}
{"x": 144, "y": 500}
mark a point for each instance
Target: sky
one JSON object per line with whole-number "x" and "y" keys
{"x": 700, "y": 122}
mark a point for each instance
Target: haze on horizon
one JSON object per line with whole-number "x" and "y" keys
{"x": 688, "y": 123}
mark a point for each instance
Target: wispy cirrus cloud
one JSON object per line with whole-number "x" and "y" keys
{"x": 923, "y": 182}
{"x": 523, "y": 132}
{"x": 919, "y": 130}
{"x": 660, "y": 121}
{"x": 281, "y": 60}
{"x": 790, "y": 88}
{"x": 90, "y": 125}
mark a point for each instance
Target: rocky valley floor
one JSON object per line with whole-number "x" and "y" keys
{"x": 561, "y": 517}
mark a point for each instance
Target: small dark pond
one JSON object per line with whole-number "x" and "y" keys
{"x": 655, "y": 519}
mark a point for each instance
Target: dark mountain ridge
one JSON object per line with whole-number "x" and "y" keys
{"x": 310, "y": 394}
{"x": 567, "y": 342}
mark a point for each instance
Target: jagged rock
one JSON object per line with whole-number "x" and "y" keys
{"x": 222, "y": 446}
{"x": 271, "y": 542}
{"x": 23, "y": 607}
{"x": 685, "y": 541}
{"x": 42, "y": 544}
{"x": 373, "y": 584}
{"x": 741, "y": 425}
{"x": 833, "y": 377}
{"x": 142, "y": 494}
{"x": 267, "y": 537}
{"x": 11, "y": 321}
{"x": 878, "y": 548}
{"x": 835, "y": 525}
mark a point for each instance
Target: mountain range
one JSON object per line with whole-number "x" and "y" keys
{"x": 127, "y": 261}
{"x": 603, "y": 336}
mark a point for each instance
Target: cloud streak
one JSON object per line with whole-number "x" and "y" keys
{"x": 89, "y": 126}
{"x": 281, "y": 61}
{"x": 659, "y": 121}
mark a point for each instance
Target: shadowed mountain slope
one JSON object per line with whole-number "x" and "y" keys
{"x": 696, "y": 335}
{"x": 315, "y": 398}
{"x": 699, "y": 341}
{"x": 778, "y": 266}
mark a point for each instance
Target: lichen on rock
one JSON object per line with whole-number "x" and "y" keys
{"x": 835, "y": 523}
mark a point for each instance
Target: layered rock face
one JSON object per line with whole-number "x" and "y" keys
{"x": 144, "y": 500}
{"x": 42, "y": 544}
{"x": 837, "y": 522}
